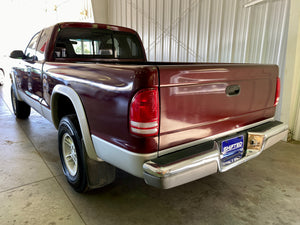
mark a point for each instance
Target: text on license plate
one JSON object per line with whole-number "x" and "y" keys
{"x": 232, "y": 149}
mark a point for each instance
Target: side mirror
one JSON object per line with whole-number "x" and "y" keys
{"x": 17, "y": 54}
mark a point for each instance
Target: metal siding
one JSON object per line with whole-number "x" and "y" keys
{"x": 152, "y": 30}
{"x": 145, "y": 30}
{"x": 184, "y": 31}
{"x": 175, "y": 29}
{"x": 167, "y": 31}
{"x": 206, "y": 30}
{"x": 227, "y": 31}
{"x": 134, "y": 13}
{"x": 159, "y": 32}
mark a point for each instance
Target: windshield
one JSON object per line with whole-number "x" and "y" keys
{"x": 97, "y": 43}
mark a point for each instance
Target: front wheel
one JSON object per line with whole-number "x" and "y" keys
{"x": 21, "y": 109}
{"x": 71, "y": 153}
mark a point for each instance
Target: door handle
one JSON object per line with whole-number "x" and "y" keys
{"x": 233, "y": 90}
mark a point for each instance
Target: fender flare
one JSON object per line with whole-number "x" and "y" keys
{"x": 71, "y": 94}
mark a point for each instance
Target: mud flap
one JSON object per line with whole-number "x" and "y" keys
{"x": 99, "y": 173}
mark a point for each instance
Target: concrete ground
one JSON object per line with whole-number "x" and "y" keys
{"x": 33, "y": 189}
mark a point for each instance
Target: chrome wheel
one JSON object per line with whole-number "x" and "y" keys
{"x": 69, "y": 154}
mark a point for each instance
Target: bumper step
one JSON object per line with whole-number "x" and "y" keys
{"x": 203, "y": 160}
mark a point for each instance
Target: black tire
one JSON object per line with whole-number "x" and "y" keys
{"x": 72, "y": 153}
{"x": 21, "y": 109}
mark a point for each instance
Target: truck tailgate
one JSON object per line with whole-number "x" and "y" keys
{"x": 199, "y": 101}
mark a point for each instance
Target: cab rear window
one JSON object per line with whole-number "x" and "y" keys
{"x": 97, "y": 43}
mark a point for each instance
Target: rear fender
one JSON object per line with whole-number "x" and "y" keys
{"x": 99, "y": 172}
{"x": 79, "y": 108}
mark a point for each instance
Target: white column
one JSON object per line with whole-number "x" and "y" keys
{"x": 100, "y": 11}
{"x": 296, "y": 90}
{"x": 290, "y": 88}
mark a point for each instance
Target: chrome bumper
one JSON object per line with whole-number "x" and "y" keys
{"x": 205, "y": 159}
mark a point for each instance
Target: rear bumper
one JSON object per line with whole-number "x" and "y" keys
{"x": 205, "y": 159}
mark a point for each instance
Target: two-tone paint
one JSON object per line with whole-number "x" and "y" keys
{"x": 197, "y": 102}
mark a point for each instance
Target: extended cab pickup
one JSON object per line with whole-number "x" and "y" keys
{"x": 169, "y": 123}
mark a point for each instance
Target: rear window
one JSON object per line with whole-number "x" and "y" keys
{"x": 97, "y": 43}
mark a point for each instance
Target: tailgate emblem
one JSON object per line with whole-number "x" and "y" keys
{"x": 233, "y": 90}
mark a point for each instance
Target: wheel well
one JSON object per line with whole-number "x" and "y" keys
{"x": 61, "y": 106}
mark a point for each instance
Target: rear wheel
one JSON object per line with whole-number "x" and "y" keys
{"x": 71, "y": 153}
{"x": 21, "y": 109}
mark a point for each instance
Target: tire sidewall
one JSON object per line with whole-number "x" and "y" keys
{"x": 70, "y": 126}
{"x": 20, "y": 108}
{"x": 13, "y": 100}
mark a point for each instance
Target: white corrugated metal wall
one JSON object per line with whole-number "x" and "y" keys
{"x": 208, "y": 30}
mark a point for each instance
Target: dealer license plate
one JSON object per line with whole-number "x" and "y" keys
{"x": 232, "y": 150}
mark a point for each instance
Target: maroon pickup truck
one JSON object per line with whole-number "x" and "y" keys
{"x": 168, "y": 123}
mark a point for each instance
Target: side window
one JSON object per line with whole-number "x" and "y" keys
{"x": 31, "y": 48}
{"x": 42, "y": 45}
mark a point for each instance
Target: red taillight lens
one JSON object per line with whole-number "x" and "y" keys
{"x": 277, "y": 95}
{"x": 144, "y": 113}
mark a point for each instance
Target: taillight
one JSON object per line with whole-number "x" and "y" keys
{"x": 277, "y": 95}
{"x": 144, "y": 113}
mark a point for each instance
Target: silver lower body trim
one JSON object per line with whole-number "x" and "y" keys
{"x": 174, "y": 171}
{"x": 121, "y": 158}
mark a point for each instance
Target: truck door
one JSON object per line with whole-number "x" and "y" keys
{"x": 33, "y": 72}
{"x": 23, "y": 70}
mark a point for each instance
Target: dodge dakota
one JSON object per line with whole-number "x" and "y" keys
{"x": 168, "y": 123}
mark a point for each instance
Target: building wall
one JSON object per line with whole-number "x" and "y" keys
{"x": 206, "y": 30}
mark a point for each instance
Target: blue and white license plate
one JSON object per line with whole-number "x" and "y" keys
{"x": 232, "y": 150}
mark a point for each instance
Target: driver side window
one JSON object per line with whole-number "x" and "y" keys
{"x": 30, "y": 52}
